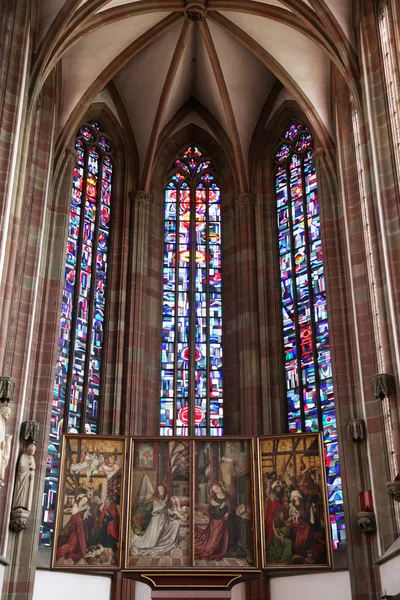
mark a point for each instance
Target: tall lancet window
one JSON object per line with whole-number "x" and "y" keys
{"x": 81, "y": 336}
{"x": 191, "y": 354}
{"x": 308, "y": 367}
{"x": 391, "y": 63}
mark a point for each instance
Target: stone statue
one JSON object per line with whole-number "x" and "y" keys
{"x": 23, "y": 491}
{"x": 5, "y": 442}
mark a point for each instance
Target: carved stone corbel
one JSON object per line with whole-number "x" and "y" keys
{"x": 7, "y": 387}
{"x": 355, "y": 430}
{"x": 30, "y": 431}
{"x": 383, "y": 385}
{"x": 366, "y": 522}
{"x": 393, "y": 489}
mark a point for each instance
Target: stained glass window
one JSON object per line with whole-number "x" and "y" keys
{"x": 191, "y": 399}
{"x": 81, "y": 335}
{"x": 307, "y": 355}
{"x": 391, "y": 66}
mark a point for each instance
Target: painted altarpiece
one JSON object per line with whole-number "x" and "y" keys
{"x": 193, "y": 503}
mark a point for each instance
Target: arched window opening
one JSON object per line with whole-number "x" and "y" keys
{"x": 76, "y": 394}
{"x": 308, "y": 366}
{"x": 386, "y": 410}
{"x": 391, "y": 71}
{"x": 191, "y": 356}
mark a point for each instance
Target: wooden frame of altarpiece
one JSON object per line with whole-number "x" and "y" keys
{"x": 192, "y": 506}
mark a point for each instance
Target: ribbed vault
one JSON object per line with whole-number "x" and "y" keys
{"x": 235, "y": 60}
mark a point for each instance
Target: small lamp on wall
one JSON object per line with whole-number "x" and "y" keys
{"x": 366, "y": 517}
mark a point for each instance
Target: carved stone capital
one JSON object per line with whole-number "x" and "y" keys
{"x": 393, "y": 489}
{"x": 243, "y": 200}
{"x": 7, "y": 387}
{"x": 141, "y": 196}
{"x": 19, "y": 519}
{"x": 71, "y": 155}
{"x": 355, "y": 430}
{"x": 30, "y": 431}
{"x": 382, "y": 385}
{"x": 366, "y": 522}
{"x": 195, "y": 10}
{"x": 318, "y": 154}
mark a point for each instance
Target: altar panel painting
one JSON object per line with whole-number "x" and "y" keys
{"x": 88, "y": 529}
{"x": 295, "y": 531}
{"x": 224, "y": 504}
{"x": 159, "y": 505}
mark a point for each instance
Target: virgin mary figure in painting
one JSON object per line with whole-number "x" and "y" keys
{"x": 212, "y": 543}
{"x": 155, "y": 532}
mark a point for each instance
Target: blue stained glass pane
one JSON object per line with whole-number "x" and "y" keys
{"x": 293, "y": 129}
{"x": 308, "y": 365}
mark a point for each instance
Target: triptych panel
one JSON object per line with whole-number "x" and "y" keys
{"x": 192, "y": 503}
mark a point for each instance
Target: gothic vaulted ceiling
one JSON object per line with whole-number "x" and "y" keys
{"x": 218, "y": 63}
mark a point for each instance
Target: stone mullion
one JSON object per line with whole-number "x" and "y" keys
{"x": 247, "y": 316}
{"x": 385, "y": 197}
{"x": 138, "y": 321}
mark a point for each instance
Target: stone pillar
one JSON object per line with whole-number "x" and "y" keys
{"x": 14, "y": 66}
{"x": 230, "y": 325}
{"x": 39, "y": 370}
{"x": 247, "y": 316}
{"x": 272, "y": 380}
{"x": 351, "y": 337}
{"x": 247, "y": 331}
{"x": 141, "y": 350}
{"x": 384, "y": 200}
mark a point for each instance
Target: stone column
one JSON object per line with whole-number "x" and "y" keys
{"x": 37, "y": 403}
{"x": 384, "y": 197}
{"x": 14, "y": 66}
{"x": 248, "y": 338}
{"x": 351, "y": 337}
{"x": 141, "y": 351}
{"x": 247, "y": 316}
{"x": 230, "y": 325}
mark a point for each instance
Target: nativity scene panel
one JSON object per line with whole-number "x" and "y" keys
{"x": 224, "y": 534}
{"x": 294, "y": 524}
{"x": 90, "y": 503}
{"x": 159, "y": 512}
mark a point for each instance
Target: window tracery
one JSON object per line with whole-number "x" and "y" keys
{"x": 191, "y": 401}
